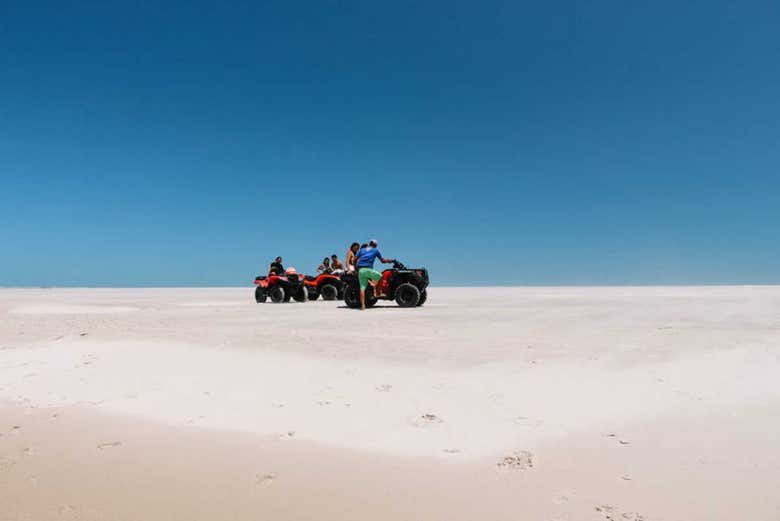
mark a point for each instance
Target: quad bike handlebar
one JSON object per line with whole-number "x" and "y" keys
{"x": 398, "y": 265}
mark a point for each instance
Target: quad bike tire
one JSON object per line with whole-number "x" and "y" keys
{"x": 260, "y": 294}
{"x": 407, "y": 295}
{"x": 278, "y": 295}
{"x": 302, "y": 295}
{"x": 423, "y": 297}
{"x": 313, "y": 294}
{"x": 352, "y": 297}
{"x": 329, "y": 292}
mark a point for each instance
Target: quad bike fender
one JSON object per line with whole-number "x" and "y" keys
{"x": 333, "y": 281}
{"x": 401, "y": 278}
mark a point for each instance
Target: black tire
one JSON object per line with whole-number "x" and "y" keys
{"x": 423, "y": 297}
{"x": 260, "y": 294}
{"x": 370, "y": 298}
{"x": 352, "y": 297}
{"x": 407, "y": 295}
{"x": 278, "y": 295}
{"x": 302, "y": 295}
{"x": 329, "y": 292}
{"x": 313, "y": 293}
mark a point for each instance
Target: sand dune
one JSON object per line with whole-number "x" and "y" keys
{"x": 507, "y": 403}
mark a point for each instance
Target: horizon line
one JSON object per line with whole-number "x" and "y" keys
{"x": 672, "y": 285}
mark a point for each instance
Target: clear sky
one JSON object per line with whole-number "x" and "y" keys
{"x": 188, "y": 143}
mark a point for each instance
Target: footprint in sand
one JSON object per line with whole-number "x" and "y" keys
{"x": 108, "y": 445}
{"x": 88, "y": 360}
{"x": 426, "y": 420}
{"x": 619, "y": 440}
{"x": 323, "y": 402}
{"x": 6, "y": 463}
{"x": 451, "y": 451}
{"x": 611, "y": 513}
{"x": 66, "y": 509}
{"x": 496, "y": 397}
{"x": 525, "y": 421}
{"x": 384, "y": 388}
{"x": 518, "y": 460}
{"x": 265, "y": 480}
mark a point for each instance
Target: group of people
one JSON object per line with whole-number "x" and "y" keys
{"x": 363, "y": 257}
{"x": 360, "y": 260}
{"x": 331, "y": 266}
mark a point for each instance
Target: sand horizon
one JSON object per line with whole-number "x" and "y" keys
{"x": 432, "y": 285}
{"x": 525, "y": 402}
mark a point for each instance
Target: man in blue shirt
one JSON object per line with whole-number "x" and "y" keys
{"x": 366, "y": 272}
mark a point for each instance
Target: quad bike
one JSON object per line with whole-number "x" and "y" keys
{"x": 329, "y": 286}
{"x": 407, "y": 286}
{"x": 281, "y": 288}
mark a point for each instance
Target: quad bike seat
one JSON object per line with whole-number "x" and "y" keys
{"x": 260, "y": 277}
{"x": 310, "y": 278}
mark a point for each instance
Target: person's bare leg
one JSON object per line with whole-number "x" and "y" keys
{"x": 362, "y": 299}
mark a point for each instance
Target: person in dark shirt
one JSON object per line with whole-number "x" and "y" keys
{"x": 276, "y": 267}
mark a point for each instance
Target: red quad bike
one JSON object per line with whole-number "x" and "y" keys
{"x": 280, "y": 288}
{"x": 329, "y": 286}
{"x": 407, "y": 286}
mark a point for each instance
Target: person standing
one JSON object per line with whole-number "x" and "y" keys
{"x": 351, "y": 256}
{"x": 366, "y": 271}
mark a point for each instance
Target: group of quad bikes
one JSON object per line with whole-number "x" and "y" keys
{"x": 408, "y": 287}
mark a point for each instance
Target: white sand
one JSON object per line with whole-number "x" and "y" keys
{"x": 661, "y": 403}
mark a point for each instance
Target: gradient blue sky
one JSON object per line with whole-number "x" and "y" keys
{"x": 188, "y": 143}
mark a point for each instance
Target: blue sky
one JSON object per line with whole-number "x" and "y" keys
{"x": 493, "y": 142}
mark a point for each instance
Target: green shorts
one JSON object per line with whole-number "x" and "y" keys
{"x": 366, "y": 274}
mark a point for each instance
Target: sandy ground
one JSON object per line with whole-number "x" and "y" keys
{"x": 491, "y": 403}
